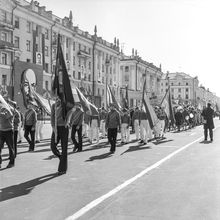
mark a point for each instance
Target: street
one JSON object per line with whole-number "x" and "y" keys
{"x": 176, "y": 178}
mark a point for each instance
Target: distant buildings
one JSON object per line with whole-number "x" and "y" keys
{"x": 28, "y": 33}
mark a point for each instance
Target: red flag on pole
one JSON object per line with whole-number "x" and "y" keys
{"x": 167, "y": 105}
{"x": 61, "y": 84}
{"x": 151, "y": 115}
{"x": 112, "y": 100}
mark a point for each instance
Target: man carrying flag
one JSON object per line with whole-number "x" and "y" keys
{"x": 64, "y": 103}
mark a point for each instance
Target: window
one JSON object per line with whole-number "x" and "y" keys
{"x": 67, "y": 43}
{"x": 162, "y": 90}
{"x": 98, "y": 91}
{"x": 37, "y": 30}
{"x": 36, "y": 47}
{"x": 187, "y": 96}
{"x": 46, "y": 85}
{"x": 89, "y": 77}
{"x": 4, "y": 58}
{"x": 79, "y": 62}
{"x": 28, "y": 26}
{"x": 172, "y": 96}
{"x": 127, "y": 69}
{"x": 67, "y": 56}
{"x": 16, "y": 22}
{"x": 187, "y": 90}
{"x": 79, "y": 46}
{"x": 79, "y": 75}
{"x": 89, "y": 65}
{"x": 89, "y": 50}
{"x": 103, "y": 92}
{"x": 179, "y": 96}
{"x": 46, "y": 51}
{"x": 187, "y": 84}
{"x": 4, "y": 79}
{"x": 172, "y": 90}
{"x": 166, "y": 84}
{"x": 46, "y": 34}
{"x": 28, "y": 45}
{"x": 161, "y": 84}
{"x": 171, "y": 84}
{"x": 46, "y": 67}
{"x": 74, "y": 74}
{"x": 74, "y": 45}
{"x": 74, "y": 60}
{"x": 179, "y": 83}
{"x": 179, "y": 90}
{"x": 111, "y": 81}
{"x": 16, "y": 44}
{"x": 4, "y": 36}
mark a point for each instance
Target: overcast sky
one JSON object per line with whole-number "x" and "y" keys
{"x": 182, "y": 35}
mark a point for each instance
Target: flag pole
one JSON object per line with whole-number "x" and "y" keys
{"x": 165, "y": 95}
{"x": 55, "y": 127}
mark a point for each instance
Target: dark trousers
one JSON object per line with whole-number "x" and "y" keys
{"x": 206, "y": 133}
{"x": 7, "y": 137}
{"x": 15, "y": 141}
{"x": 27, "y": 131}
{"x": 112, "y": 137}
{"x": 78, "y": 145}
{"x": 62, "y": 135}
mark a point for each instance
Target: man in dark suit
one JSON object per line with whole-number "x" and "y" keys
{"x": 208, "y": 114}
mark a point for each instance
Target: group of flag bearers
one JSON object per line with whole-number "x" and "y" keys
{"x": 84, "y": 119}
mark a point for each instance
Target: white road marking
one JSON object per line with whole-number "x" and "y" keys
{"x": 192, "y": 133}
{"x": 97, "y": 201}
{"x": 163, "y": 146}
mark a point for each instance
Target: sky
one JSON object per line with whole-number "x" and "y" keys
{"x": 181, "y": 35}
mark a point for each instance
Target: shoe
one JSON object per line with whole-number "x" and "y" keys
{"x": 18, "y": 142}
{"x": 141, "y": 141}
{"x": 205, "y": 139}
{"x": 112, "y": 151}
{"x": 79, "y": 150}
{"x": 10, "y": 165}
{"x": 211, "y": 140}
{"x": 122, "y": 142}
{"x": 61, "y": 173}
{"x": 30, "y": 150}
{"x": 37, "y": 142}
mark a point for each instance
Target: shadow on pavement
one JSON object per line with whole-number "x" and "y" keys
{"x": 162, "y": 141}
{"x": 205, "y": 142}
{"x": 24, "y": 188}
{"x": 135, "y": 148}
{"x": 99, "y": 157}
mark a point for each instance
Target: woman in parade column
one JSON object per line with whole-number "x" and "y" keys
{"x": 136, "y": 122}
{"x": 125, "y": 122}
{"x": 94, "y": 128}
{"x": 144, "y": 127}
{"x": 62, "y": 135}
{"x": 30, "y": 119}
{"x": 6, "y": 134}
{"x": 113, "y": 123}
{"x": 21, "y": 124}
{"x": 103, "y": 115}
{"x": 39, "y": 126}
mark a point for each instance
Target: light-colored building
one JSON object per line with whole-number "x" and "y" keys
{"x": 183, "y": 87}
{"x": 29, "y": 33}
{"x": 133, "y": 71}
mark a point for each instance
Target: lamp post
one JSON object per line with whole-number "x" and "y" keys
{"x": 107, "y": 64}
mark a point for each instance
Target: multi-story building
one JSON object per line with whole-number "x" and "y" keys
{"x": 183, "y": 87}
{"x": 133, "y": 71}
{"x": 29, "y": 34}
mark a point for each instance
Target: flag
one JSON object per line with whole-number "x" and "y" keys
{"x": 4, "y": 104}
{"x": 86, "y": 105}
{"x": 125, "y": 99}
{"x": 167, "y": 105}
{"x": 112, "y": 100}
{"x": 151, "y": 115}
{"x": 61, "y": 84}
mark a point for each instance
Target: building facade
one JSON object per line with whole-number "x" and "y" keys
{"x": 29, "y": 34}
{"x": 133, "y": 72}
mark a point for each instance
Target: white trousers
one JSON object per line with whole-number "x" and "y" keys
{"x": 38, "y": 131}
{"x": 125, "y": 133}
{"x": 102, "y": 128}
{"x": 137, "y": 128}
{"x": 85, "y": 130}
{"x": 145, "y": 131}
{"x": 94, "y": 130}
{"x": 20, "y": 132}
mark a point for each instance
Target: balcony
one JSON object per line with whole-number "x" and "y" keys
{"x": 83, "y": 54}
{"x": 5, "y": 45}
{"x": 6, "y": 25}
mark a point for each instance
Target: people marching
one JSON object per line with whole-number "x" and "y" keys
{"x": 86, "y": 126}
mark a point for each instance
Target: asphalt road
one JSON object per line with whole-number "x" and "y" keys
{"x": 178, "y": 179}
